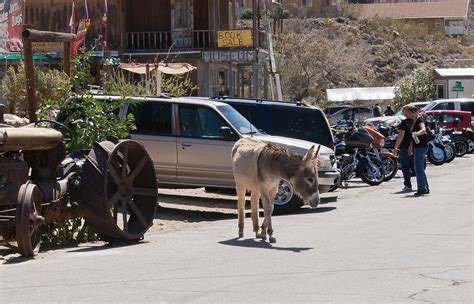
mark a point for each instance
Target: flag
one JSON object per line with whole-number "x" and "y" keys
{"x": 72, "y": 20}
{"x": 104, "y": 25}
{"x": 82, "y": 29}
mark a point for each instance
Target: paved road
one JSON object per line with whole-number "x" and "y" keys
{"x": 373, "y": 245}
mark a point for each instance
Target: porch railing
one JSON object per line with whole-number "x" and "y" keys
{"x": 178, "y": 39}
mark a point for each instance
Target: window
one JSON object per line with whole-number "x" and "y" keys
{"x": 444, "y": 106}
{"x": 304, "y": 2}
{"x": 440, "y": 91}
{"x": 468, "y": 106}
{"x": 152, "y": 118}
{"x": 199, "y": 122}
{"x": 438, "y": 23}
{"x": 421, "y": 23}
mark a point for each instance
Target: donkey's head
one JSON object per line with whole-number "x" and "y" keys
{"x": 305, "y": 181}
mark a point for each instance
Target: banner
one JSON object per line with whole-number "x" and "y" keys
{"x": 11, "y": 25}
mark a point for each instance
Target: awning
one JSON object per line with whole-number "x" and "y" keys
{"x": 352, "y": 94}
{"x": 19, "y": 57}
{"x": 165, "y": 68}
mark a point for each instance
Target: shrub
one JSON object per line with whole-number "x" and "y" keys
{"x": 286, "y": 14}
{"x": 247, "y": 13}
{"x": 418, "y": 86}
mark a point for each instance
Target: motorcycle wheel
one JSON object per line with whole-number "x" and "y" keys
{"x": 390, "y": 167}
{"x": 450, "y": 155}
{"x": 436, "y": 156}
{"x": 371, "y": 172}
{"x": 461, "y": 148}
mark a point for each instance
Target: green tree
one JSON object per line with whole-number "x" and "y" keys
{"x": 418, "y": 86}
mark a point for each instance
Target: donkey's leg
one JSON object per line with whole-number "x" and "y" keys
{"x": 269, "y": 224}
{"x": 241, "y": 208}
{"x": 254, "y": 198}
{"x": 266, "y": 208}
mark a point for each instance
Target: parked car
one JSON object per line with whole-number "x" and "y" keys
{"x": 461, "y": 104}
{"x": 445, "y": 118}
{"x": 393, "y": 120}
{"x": 332, "y": 110}
{"x": 289, "y": 119}
{"x": 357, "y": 114}
{"x": 190, "y": 142}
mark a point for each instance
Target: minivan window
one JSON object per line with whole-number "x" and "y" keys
{"x": 237, "y": 120}
{"x": 200, "y": 122}
{"x": 152, "y": 118}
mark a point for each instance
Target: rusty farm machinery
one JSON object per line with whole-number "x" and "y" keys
{"x": 112, "y": 186}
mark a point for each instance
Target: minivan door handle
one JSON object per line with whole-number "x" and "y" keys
{"x": 186, "y": 144}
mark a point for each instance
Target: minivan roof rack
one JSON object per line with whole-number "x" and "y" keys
{"x": 298, "y": 103}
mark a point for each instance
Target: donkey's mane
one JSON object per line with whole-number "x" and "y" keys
{"x": 282, "y": 159}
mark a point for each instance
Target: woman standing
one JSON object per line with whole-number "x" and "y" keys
{"x": 402, "y": 148}
{"x": 420, "y": 148}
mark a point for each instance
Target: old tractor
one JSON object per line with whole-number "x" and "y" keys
{"x": 112, "y": 186}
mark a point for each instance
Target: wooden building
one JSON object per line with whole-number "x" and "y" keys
{"x": 155, "y": 30}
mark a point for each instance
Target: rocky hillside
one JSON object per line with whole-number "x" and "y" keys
{"x": 316, "y": 54}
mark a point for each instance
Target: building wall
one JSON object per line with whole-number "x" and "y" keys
{"x": 429, "y": 24}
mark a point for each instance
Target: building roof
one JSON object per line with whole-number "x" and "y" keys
{"x": 461, "y": 72}
{"x": 415, "y": 10}
{"x": 352, "y": 94}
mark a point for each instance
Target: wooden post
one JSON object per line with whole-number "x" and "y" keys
{"x": 67, "y": 58}
{"x": 29, "y": 36}
{"x": 30, "y": 79}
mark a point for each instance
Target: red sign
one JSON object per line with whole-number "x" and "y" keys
{"x": 15, "y": 26}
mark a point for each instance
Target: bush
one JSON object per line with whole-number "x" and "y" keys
{"x": 418, "y": 86}
{"x": 286, "y": 14}
{"x": 247, "y": 13}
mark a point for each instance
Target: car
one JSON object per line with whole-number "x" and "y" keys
{"x": 332, "y": 110}
{"x": 445, "y": 118}
{"x": 357, "y": 114}
{"x": 460, "y": 104}
{"x": 283, "y": 118}
{"x": 190, "y": 142}
{"x": 393, "y": 120}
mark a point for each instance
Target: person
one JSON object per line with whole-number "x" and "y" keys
{"x": 389, "y": 111}
{"x": 377, "y": 110}
{"x": 419, "y": 144}
{"x": 402, "y": 149}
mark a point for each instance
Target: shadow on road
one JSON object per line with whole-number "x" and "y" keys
{"x": 253, "y": 243}
{"x": 191, "y": 216}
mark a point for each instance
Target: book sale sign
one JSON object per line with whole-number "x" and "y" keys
{"x": 11, "y": 21}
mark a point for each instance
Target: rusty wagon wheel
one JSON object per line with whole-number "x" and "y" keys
{"x": 129, "y": 193}
{"x": 28, "y": 219}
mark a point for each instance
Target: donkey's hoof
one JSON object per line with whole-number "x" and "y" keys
{"x": 273, "y": 240}
{"x": 258, "y": 235}
{"x": 263, "y": 237}
{"x": 241, "y": 234}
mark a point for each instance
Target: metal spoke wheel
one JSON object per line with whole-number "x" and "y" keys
{"x": 28, "y": 219}
{"x": 129, "y": 190}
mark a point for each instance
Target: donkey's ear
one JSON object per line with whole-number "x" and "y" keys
{"x": 316, "y": 154}
{"x": 309, "y": 154}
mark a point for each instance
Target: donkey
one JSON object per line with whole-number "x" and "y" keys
{"x": 259, "y": 167}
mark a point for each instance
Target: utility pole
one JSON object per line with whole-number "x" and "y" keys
{"x": 274, "y": 76}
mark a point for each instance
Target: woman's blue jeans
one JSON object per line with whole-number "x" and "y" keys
{"x": 419, "y": 160}
{"x": 407, "y": 164}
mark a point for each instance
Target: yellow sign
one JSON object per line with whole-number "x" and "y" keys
{"x": 47, "y": 46}
{"x": 234, "y": 38}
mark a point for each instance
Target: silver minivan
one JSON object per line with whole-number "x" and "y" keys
{"x": 190, "y": 142}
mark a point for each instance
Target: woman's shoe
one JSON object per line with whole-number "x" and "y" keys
{"x": 421, "y": 193}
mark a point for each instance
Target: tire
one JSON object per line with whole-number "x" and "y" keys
{"x": 461, "y": 148}
{"x": 390, "y": 167}
{"x": 436, "y": 157}
{"x": 286, "y": 201}
{"x": 372, "y": 172}
{"x": 450, "y": 154}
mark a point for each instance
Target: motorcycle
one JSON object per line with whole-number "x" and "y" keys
{"x": 436, "y": 149}
{"x": 463, "y": 140}
{"x": 388, "y": 159}
{"x": 353, "y": 158}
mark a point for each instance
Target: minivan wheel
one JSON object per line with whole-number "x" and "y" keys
{"x": 285, "y": 200}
